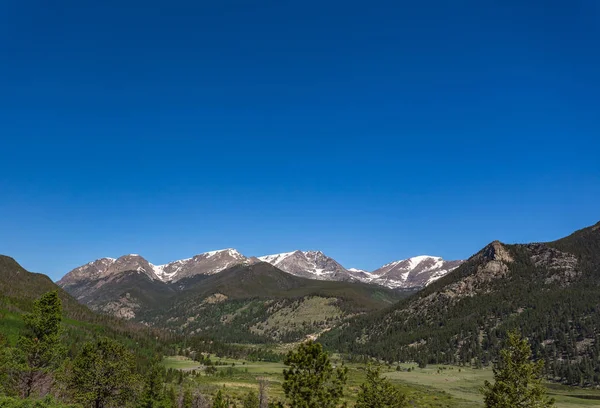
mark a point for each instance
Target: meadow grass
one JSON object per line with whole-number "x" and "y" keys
{"x": 435, "y": 386}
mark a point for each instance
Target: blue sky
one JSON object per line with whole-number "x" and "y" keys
{"x": 372, "y": 131}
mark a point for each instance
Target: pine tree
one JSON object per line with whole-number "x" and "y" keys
{"x": 517, "y": 378}
{"x": 38, "y": 348}
{"x": 103, "y": 374}
{"x": 187, "y": 399}
{"x": 219, "y": 401}
{"x": 378, "y": 392}
{"x": 170, "y": 398}
{"x": 153, "y": 393}
{"x": 311, "y": 381}
{"x": 251, "y": 400}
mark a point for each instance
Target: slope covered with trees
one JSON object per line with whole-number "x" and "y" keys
{"x": 255, "y": 303}
{"x": 549, "y": 291}
{"x": 19, "y": 289}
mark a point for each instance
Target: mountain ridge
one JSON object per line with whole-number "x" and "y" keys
{"x": 548, "y": 291}
{"x": 408, "y": 273}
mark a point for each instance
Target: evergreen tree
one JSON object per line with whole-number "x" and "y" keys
{"x": 170, "y": 399}
{"x": 378, "y": 392}
{"x": 517, "y": 378}
{"x": 5, "y": 367}
{"x": 38, "y": 349}
{"x": 219, "y": 401}
{"x": 153, "y": 393}
{"x": 188, "y": 399}
{"x": 103, "y": 374}
{"x": 311, "y": 381}
{"x": 251, "y": 400}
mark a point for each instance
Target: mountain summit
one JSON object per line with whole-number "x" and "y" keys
{"x": 413, "y": 272}
{"x": 418, "y": 271}
{"x": 309, "y": 264}
{"x": 207, "y": 263}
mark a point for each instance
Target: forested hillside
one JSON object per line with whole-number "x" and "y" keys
{"x": 246, "y": 303}
{"x": 262, "y": 304}
{"x": 549, "y": 291}
{"x": 19, "y": 288}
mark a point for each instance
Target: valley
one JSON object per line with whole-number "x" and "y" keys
{"x": 436, "y": 386}
{"x": 435, "y": 343}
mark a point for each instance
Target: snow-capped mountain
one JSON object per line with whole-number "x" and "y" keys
{"x": 204, "y": 264}
{"x": 309, "y": 264}
{"x": 104, "y": 268}
{"x": 414, "y": 272}
{"x": 207, "y": 263}
{"x": 418, "y": 271}
{"x": 408, "y": 273}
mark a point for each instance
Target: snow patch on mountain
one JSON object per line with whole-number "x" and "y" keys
{"x": 417, "y": 271}
{"x": 357, "y": 270}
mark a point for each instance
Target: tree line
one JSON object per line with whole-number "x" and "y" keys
{"x": 37, "y": 372}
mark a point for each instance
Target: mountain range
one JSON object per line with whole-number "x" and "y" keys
{"x": 548, "y": 291}
{"x": 242, "y": 302}
{"x": 409, "y": 273}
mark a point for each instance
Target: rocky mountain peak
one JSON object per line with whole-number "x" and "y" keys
{"x": 308, "y": 264}
{"x": 206, "y": 263}
{"x": 497, "y": 251}
{"x": 417, "y": 271}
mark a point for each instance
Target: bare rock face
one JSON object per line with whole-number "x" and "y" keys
{"x": 103, "y": 269}
{"x": 204, "y": 264}
{"x": 309, "y": 264}
{"x": 90, "y": 271}
{"x": 125, "y": 307}
{"x": 491, "y": 264}
{"x": 561, "y": 267}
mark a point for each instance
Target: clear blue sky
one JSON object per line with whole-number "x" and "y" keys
{"x": 372, "y": 131}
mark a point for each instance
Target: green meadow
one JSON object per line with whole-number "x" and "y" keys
{"x": 430, "y": 387}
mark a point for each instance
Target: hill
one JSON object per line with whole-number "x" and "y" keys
{"x": 261, "y": 304}
{"x": 549, "y": 291}
{"x": 246, "y": 303}
{"x": 19, "y": 288}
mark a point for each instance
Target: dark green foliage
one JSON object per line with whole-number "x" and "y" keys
{"x": 555, "y": 306}
{"x": 249, "y": 294}
{"x": 103, "y": 374}
{"x": 219, "y": 401}
{"x": 153, "y": 394}
{"x": 188, "y": 399}
{"x": 378, "y": 392}
{"x": 6, "y": 402}
{"x": 311, "y": 381}
{"x": 517, "y": 381}
{"x": 38, "y": 348}
{"x": 20, "y": 288}
{"x": 251, "y": 400}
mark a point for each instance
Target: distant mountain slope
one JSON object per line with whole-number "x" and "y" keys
{"x": 260, "y": 303}
{"x": 309, "y": 264}
{"x": 550, "y": 291}
{"x": 205, "y": 303}
{"x": 409, "y": 273}
{"x": 19, "y": 288}
{"x": 414, "y": 272}
{"x": 203, "y": 264}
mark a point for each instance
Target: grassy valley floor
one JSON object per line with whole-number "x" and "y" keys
{"x": 431, "y": 387}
